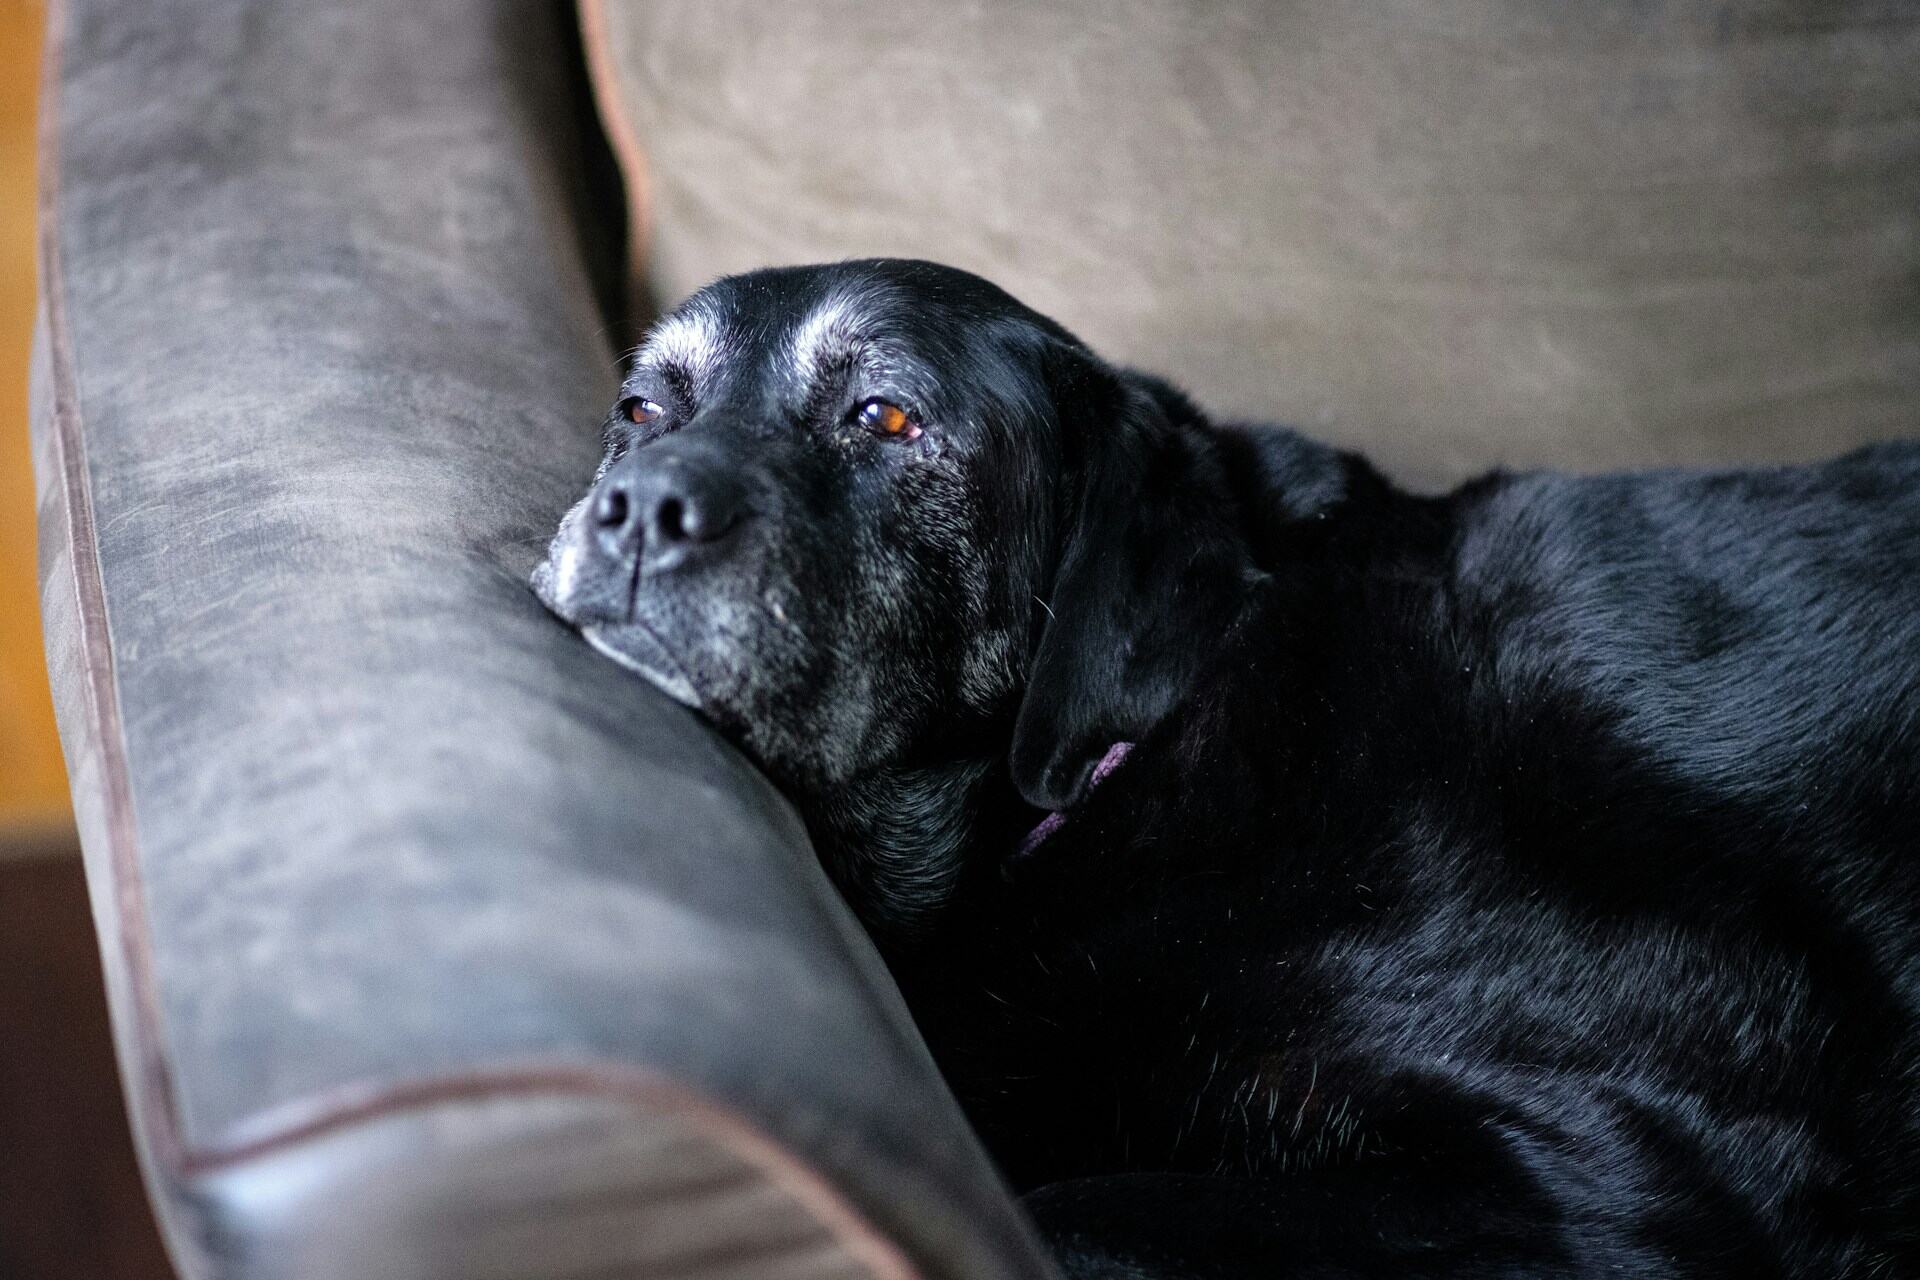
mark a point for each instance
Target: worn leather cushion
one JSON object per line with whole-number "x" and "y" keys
{"x": 1454, "y": 234}
{"x": 422, "y": 922}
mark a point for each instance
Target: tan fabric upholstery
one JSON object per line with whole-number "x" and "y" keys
{"x": 1453, "y": 233}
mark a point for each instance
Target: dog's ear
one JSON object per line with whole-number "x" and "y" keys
{"x": 1153, "y": 565}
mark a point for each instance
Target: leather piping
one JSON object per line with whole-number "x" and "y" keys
{"x": 343, "y": 1108}
{"x": 155, "y": 1101}
{"x": 152, "y": 1086}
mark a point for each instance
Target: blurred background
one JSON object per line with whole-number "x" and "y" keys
{"x": 70, "y": 1198}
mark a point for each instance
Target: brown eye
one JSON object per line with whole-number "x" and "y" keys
{"x": 642, "y": 411}
{"x": 888, "y": 419}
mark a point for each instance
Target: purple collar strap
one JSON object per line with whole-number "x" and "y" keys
{"x": 1054, "y": 821}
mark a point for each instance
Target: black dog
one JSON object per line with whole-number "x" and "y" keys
{"x": 1524, "y": 882}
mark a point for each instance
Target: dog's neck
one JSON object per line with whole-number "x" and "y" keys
{"x": 911, "y": 844}
{"x": 902, "y": 842}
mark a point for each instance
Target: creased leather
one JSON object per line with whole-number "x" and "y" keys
{"x": 333, "y": 368}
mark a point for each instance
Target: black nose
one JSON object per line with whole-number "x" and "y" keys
{"x": 665, "y": 513}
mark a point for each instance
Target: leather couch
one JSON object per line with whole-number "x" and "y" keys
{"x": 436, "y": 945}
{"x": 439, "y": 947}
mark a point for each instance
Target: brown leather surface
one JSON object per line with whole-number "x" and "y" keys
{"x": 1453, "y": 234}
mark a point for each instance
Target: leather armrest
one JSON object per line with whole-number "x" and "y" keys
{"x": 437, "y": 945}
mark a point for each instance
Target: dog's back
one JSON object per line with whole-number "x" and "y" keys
{"x": 1754, "y": 635}
{"x": 1553, "y": 854}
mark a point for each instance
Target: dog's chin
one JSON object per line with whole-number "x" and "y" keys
{"x": 636, "y": 648}
{"x": 631, "y": 644}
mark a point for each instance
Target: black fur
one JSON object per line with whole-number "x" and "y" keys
{"x": 1521, "y": 882}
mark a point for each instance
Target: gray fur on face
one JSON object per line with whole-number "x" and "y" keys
{"x": 870, "y": 615}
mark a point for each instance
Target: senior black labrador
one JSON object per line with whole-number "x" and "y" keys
{"x": 1520, "y": 882}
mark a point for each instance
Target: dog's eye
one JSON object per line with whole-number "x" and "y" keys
{"x": 640, "y": 411}
{"x": 883, "y": 417}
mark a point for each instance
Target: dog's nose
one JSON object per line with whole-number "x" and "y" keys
{"x": 662, "y": 514}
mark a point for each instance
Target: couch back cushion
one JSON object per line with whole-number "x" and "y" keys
{"x": 1453, "y": 233}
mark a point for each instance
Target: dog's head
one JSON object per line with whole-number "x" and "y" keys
{"x": 879, "y": 521}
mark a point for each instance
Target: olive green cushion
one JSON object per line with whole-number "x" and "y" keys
{"x": 1454, "y": 234}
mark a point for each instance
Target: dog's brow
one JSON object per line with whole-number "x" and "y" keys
{"x": 830, "y": 330}
{"x": 690, "y": 340}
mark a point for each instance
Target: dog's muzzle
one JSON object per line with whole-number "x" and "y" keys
{"x": 655, "y": 513}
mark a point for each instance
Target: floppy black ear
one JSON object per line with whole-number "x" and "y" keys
{"x": 1152, "y": 568}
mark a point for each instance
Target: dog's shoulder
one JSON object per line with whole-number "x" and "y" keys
{"x": 1285, "y": 473}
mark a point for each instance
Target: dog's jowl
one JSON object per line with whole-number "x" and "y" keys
{"x": 1295, "y": 876}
